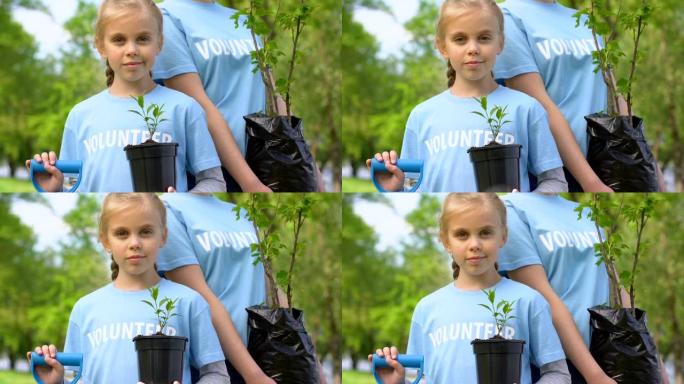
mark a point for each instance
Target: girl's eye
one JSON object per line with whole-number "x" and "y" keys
{"x": 486, "y": 233}
{"x": 485, "y": 38}
{"x": 459, "y": 39}
{"x": 144, "y": 39}
{"x": 461, "y": 235}
{"x": 147, "y": 231}
{"x": 121, "y": 233}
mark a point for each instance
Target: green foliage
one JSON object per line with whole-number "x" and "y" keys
{"x": 152, "y": 115}
{"x": 494, "y": 117}
{"x": 500, "y": 311}
{"x": 163, "y": 308}
{"x": 608, "y": 212}
{"x": 266, "y": 56}
{"x": 291, "y": 210}
{"x": 606, "y": 22}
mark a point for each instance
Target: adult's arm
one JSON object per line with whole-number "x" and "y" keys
{"x": 226, "y": 147}
{"x": 233, "y": 348}
{"x": 531, "y": 83}
{"x": 576, "y": 351}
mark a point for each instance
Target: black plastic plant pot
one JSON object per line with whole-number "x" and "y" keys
{"x": 280, "y": 345}
{"x": 498, "y": 360}
{"x": 153, "y": 166}
{"x": 497, "y": 167}
{"x": 622, "y": 345}
{"x": 160, "y": 358}
{"x": 278, "y": 153}
{"x": 619, "y": 154}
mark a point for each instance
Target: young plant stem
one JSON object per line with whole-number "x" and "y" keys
{"x": 636, "y": 35}
{"x": 295, "y": 39}
{"x": 606, "y": 72}
{"x": 641, "y": 223}
{"x": 297, "y": 227}
{"x": 273, "y": 300}
{"x": 266, "y": 76}
{"x": 605, "y": 252}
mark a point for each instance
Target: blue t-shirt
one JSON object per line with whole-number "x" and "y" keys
{"x": 440, "y": 131}
{"x": 103, "y": 324}
{"x": 201, "y": 38}
{"x": 542, "y": 37}
{"x": 203, "y": 230}
{"x": 98, "y": 129}
{"x": 447, "y": 320}
{"x": 543, "y": 229}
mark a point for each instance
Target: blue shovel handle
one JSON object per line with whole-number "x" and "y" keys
{"x": 64, "y": 166}
{"x": 406, "y": 165}
{"x": 66, "y": 359}
{"x": 407, "y": 361}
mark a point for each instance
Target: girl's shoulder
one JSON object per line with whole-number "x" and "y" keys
{"x": 516, "y": 100}
{"x": 438, "y": 297}
{"x": 187, "y": 297}
{"x": 174, "y": 99}
{"x": 523, "y": 295}
{"x": 91, "y": 103}
{"x": 95, "y": 298}
{"x": 437, "y": 101}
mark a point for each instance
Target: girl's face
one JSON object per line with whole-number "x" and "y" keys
{"x": 134, "y": 238}
{"x": 130, "y": 43}
{"x": 474, "y": 238}
{"x": 471, "y": 42}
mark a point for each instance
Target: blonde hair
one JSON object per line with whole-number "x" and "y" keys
{"x": 113, "y": 9}
{"x": 458, "y": 203}
{"x": 117, "y": 202}
{"x": 452, "y": 6}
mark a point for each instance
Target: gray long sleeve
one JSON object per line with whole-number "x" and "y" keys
{"x": 555, "y": 372}
{"x": 210, "y": 180}
{"x": 214, "y": 373}
{"x": 552, "y": 180}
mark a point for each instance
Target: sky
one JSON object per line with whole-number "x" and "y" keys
{"x": 47, "y": 223}
{"x": 388, "y": 222}
{"x": 47, "y": 29}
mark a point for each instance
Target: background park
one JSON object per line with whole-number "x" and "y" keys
{"x": 392, "y": 258}
{"x": 51, "y": 257}
{"x": 392, "y": 43}
{"x": 45, "y": 72}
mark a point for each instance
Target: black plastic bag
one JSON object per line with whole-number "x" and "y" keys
{"x": 622, "y": 345}
{"x": 619, "y": 154}
{"x": 280, "y": 345}
{"x": 278, "y": 153}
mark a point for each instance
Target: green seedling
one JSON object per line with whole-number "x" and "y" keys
{"x": 162, "y": 309}
{"x": 152, "y": 115}
{"x": 500, "y": 311}
{"x": 494, "y": 117}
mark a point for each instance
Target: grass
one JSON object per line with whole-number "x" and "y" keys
{"x": 15, "y": 185}
{"x": 356, "y": 377}
{"x": 12, "y": 377}
{"x": 357, "y": 185}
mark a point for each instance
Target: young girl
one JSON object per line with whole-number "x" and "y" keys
{"x": 103, "y": 323}
{"x": 128, "y": 35}
{"x": 440, "y": 130}
{"x": 472, "y": 230}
